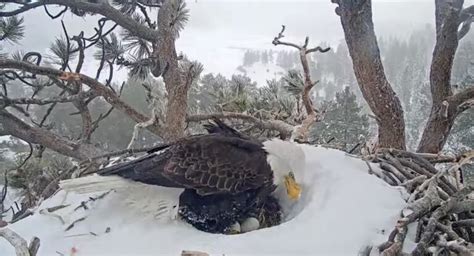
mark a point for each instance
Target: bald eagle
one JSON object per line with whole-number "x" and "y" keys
{"x": 227, "y": 177}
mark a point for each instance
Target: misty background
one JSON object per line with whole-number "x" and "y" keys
{"x": 219, "y": 32}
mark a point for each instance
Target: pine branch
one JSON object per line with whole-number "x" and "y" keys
{"x": 99, "y": 88}
{"x": 11, "y": 29}
{"x": 103, "y": 9}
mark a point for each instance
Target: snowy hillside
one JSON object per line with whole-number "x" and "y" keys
{"x": 260, "y": 72}
{"x": 342, "y": 209}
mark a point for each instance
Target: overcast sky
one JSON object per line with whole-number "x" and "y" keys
{"x": 219, "y": 30}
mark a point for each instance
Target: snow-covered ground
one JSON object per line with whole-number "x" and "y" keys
{"x": 342, "y": 209}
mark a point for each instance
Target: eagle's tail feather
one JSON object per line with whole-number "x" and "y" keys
{"x": 93, "y": 183}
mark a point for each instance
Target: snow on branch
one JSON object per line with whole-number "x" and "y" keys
{"x": 100, "y": 7}
{"x": 434, "y": 202}
{"x": 5, "y": 101}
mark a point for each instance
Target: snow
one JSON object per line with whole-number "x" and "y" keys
{"x": 12, "y": 196}
{"x": 4, "y": 138}
{"x": 342, "y": 209}
{"x": 7, "y": 153}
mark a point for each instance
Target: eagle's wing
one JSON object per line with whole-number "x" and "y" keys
{"x": 215, "y": 164}
{"x": 210, "y": 164}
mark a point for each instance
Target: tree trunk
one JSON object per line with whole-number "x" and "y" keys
{"x": 176, "y": 87}
{"x": 356, "y": 19}
{"x": 14, "y": 126}
{"x": 443, "y": 109}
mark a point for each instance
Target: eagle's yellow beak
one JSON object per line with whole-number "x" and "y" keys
{"x": 293, "y": 189}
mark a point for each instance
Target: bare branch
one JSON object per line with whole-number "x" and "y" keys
{"x": 20, "y": 244}
{"x": 138, "y": 126}
{"x": 445, "y": 208}
{"x": 103, "y": 9}
{"x": 462, "y": 96}
{"x": 465, "y": 27}
{"x": 276, "y": 40}
{"x": 312, "y": 114}
{"x": 466, "y": 13}
{"x": 318, "y": 49}
{"x": 98, "y": 87}
{"x": 283, "y": 128}
{"x": 44, "y": 101}
{"x": 14, "y": 126}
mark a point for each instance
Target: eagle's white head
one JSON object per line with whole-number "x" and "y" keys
{"x": 287, "y": 161}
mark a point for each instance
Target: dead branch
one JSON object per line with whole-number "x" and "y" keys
{"x": 448, "y": 230}
{"x": 74, "y": 223}
{"x": 419, "y": 208}
{"x": 445, "y": 208}
{"x": 50, "y": 212}
{"x": 92, "y": 199}
{"x": 396, "y": 247}
{"x": 34, "y": 246}
{"x": 277, "y": 41}
{"x": 99, "y": 88}
{"x": 464, "y": 223}
{"x": 20, "y": 244}
{"x": 16, "y": 127}
{"x": 283, "y": 128}
{"x": 439, "y": 208}
{"x": 382, "y": 174}
{"x": 458, "y": 246}
{"x": 193, "y": 253}
{"x": 153, "y": 119}
{"x": 312, "y": 114}
{"x": 4, "y": 102}
{"x": 411, "y": 185}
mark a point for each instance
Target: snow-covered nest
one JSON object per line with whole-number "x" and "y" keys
{"x": 342, "y": 210}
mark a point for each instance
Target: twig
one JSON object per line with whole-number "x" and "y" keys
{"x": 395, "y": 249}
{"x": 91, "y": 199}
{"x": 20, "y": 244}
{"x": 50, "y": 213}
{"x": 446, "y": 207}
{"x": 74, "y": 223}
{"x": 138, "y": 126}
{"x": 34, "y": 246}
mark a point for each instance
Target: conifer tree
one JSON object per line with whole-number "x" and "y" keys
{"x": 343, "y": 121}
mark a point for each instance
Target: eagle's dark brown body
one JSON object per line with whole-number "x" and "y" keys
{"x": 225, "y": 176}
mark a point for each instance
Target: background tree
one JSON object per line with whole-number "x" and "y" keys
{"x": 356, "y": 19}
{"x": 343, "y": 122}
{"x": 126, "y": 35}
{"x": 452, "y": 24}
